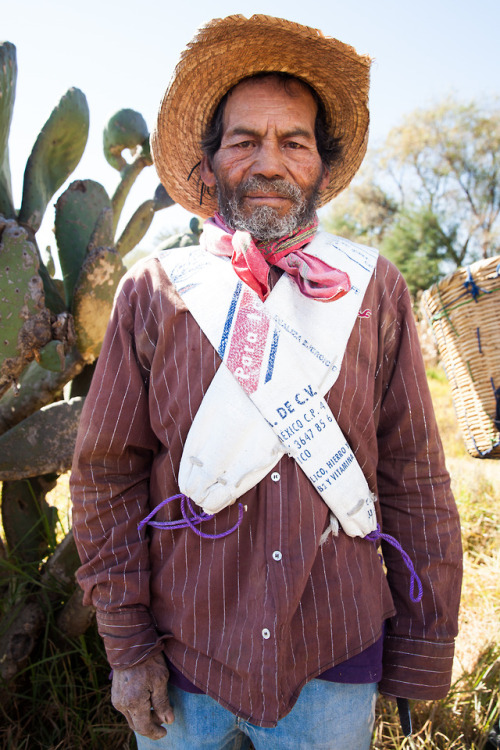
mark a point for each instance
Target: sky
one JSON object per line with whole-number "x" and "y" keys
{"x": 121, "y": 54}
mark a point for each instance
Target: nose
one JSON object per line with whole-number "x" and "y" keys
{"x": 268, "y": 161}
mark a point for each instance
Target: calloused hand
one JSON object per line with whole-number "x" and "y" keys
{"x": 140, "y": 694}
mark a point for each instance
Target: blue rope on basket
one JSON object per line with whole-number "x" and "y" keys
{"x": 472, "y": 288}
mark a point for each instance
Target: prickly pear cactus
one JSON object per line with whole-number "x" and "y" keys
{"x": 78, "y": 212}
{"x": 99, "y": 276}
{"x": 56, "y": 153}
{"x": 61, "y": 324}
{"x": 24, "y": 319}
{"x": 127, "y": 129}
{"x": 51, "y": 330}
{"x": 8, "y": 76}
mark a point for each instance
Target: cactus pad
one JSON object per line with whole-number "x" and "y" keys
{"x": 162, "y": 198}
{"x": 52, "y": 356}
{"x": 136, "y": 228}
{"x": 8, "y": 76}
{"x": 127, "y": 129}
{"x": 25, "y": 322}
{"x": 103, "y": 234}
{"x": 93, "y": 299}
{"x": 56, "y": 153}
{"x": 41, "y": 444}
{"x": 78, "y": 216}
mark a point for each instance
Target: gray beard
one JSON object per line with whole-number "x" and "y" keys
{"x": 264, "y": 223}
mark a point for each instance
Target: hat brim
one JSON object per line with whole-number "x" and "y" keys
{"x": 223, "y": 53}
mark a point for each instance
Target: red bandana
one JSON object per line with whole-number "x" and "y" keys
{"x": 251, "y": 261}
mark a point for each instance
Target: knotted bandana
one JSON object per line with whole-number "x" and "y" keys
{"x": 251, "y": 260}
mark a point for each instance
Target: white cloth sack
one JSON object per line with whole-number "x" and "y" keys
{"x": 281, "y": 356}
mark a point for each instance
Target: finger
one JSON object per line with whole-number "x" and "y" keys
{"x": 161, "y": 705}
{"x": 147, "y": 724}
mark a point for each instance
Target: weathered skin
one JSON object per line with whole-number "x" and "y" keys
{"x": 137, "y": 690}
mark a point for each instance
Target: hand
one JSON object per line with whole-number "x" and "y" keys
{"x": 136, "y": 690}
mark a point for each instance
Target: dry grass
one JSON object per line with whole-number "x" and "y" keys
{"x": 461, "y": 720}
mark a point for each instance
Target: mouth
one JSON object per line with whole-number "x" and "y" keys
{"x": 269, "y": 198}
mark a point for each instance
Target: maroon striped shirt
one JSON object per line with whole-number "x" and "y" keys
{"x": 250, "y": 618}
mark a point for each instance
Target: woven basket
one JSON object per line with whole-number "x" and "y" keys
{"x": 464, "y": 312}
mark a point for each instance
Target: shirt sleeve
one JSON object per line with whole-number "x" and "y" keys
{"x": 418, "y": 509}
{"x": 109, "y": 484}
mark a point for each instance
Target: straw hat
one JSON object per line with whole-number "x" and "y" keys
{"x": 222, "y": 53}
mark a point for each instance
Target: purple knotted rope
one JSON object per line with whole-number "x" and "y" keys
{"x": 374, "y": 536}
{"x": 187, "y": 521}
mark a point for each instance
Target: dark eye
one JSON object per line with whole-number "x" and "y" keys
{"x": 244, "y": 144}
{"x": 293, "y": 145}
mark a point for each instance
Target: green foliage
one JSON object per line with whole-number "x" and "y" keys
{"x": 417, "y": 246}
{"x": 447, "y": 159}
{"x": 363, "y": 214}
{"x": 28, "y": 521}
{"x": 429, "y": 197}
{"x": 61, "y": 697}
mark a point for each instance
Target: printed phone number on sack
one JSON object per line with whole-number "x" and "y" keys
{"x": 301, "y": 440}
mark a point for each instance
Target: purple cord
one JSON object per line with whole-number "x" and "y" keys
{"x": 374, "y": 536}
{"x": 187, "y": 521}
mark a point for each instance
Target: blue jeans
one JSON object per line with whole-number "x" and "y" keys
{"x": 327, "y": 716}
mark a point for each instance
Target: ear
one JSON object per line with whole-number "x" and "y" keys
{"x": 206, "y": 171}
{"x": 325, "y": 179}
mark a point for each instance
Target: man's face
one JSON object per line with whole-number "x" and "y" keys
{"x": 268, "y": 171}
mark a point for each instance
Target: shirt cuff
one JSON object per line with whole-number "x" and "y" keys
{"x": 129, "y": 636}
{"x": 416, "y": 669}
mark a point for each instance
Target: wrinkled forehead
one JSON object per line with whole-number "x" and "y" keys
{"x": 265, "y": 85}
{"x": 264, "y": 102}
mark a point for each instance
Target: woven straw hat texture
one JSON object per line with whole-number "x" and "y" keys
{"x": 464, "y": 311}
{"x": 222, "y": 53}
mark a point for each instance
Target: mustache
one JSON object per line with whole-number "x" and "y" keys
{"x": 275, "y": 185}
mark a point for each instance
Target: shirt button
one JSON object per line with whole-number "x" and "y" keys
{"x": 277, "y": 555}
{"x": 266, "y": 634}
{"x": 275, "y": 476}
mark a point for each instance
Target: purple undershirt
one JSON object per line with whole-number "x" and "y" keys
{"x": 363, "y": 668}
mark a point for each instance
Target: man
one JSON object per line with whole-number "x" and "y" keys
{"x": 313, "y": 439}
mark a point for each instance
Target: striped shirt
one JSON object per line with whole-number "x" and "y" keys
{"x": 250, "y": 618}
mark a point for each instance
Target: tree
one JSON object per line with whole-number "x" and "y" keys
{"x": 417, "y": 245}
{"x": 431, "y": 195}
